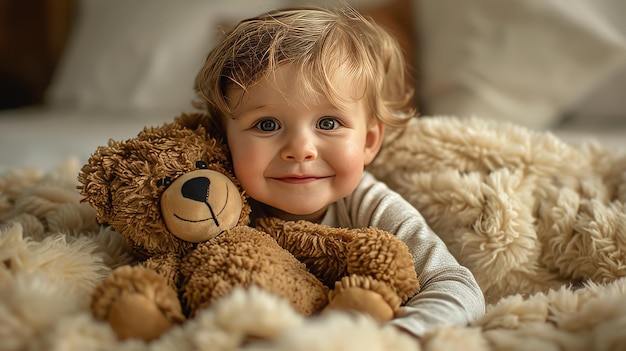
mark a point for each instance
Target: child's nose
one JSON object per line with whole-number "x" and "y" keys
{"x": 299, "y": 148}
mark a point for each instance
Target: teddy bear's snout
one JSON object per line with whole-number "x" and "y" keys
{"x": 199, "y": 205}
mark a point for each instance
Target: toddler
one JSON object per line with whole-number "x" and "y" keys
{"x": 304, "y": 97}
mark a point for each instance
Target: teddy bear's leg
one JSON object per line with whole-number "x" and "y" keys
{"x": 137, "y": 303}
{"x": 382, "y": 257}
{"x": 244, "y": 257}
{"x": 355, "y": 260}
{"x": 364, "y": 295}
{"x": 380, "y": 263}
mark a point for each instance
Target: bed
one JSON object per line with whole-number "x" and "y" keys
{"x": 551, "y": 74}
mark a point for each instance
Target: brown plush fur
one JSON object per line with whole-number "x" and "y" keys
{"x": 337, "y": 257}
{"x": 124, "y": 183}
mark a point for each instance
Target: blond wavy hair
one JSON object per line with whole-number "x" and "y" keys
{"x": 319, "y": 42}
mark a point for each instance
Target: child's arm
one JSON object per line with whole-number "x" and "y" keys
{"x": 449, "y": 292}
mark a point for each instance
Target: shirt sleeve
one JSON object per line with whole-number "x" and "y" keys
{"x": 449, "y": 292}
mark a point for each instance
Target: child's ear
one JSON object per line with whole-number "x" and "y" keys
{"x": 373, "y": 141}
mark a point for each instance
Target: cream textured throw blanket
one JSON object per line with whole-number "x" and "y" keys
{"x": 540, "y": 223}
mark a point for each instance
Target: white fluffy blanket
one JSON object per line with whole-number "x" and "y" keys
{"x": 528, "y": 214}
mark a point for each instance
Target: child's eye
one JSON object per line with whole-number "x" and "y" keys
{"x": 328, "y": 123}
{"x": 267, "y": 125}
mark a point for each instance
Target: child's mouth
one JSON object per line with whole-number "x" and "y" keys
{"x": 298, "y": 179}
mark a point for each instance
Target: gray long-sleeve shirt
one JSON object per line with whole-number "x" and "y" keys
{"x": 449, "y": 293}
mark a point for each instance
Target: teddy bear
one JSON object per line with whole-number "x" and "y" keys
{"x": 171, "y": 193}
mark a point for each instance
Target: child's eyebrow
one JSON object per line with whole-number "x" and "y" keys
{"x": 250, "y": 111}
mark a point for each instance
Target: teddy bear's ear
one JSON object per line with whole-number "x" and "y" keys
{"x": 212, "y": 126}
{"x": 95, "y": 179}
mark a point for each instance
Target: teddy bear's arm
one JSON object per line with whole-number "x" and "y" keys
{"x": 167, "y": 266}
{"x": 321, "y": 248}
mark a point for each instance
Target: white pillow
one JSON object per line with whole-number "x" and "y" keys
{"x": 141, "y": 54}
{"x": 525, "y": 61}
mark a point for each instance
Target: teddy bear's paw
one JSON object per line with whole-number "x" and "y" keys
{"x": 382, "y": 289}
{"x": 385, "y": 259}
{"x": 134, "y": 315}
{"x": 137, "y": 302}
{"x": 359, "y": 300}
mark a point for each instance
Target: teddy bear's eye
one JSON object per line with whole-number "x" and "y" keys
{"x": 201, "y": 165}
{"x": 164, "y": 182}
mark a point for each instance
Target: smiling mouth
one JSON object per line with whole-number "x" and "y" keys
{"x": 298, "y": 180}
{"x": 193, "y": 220}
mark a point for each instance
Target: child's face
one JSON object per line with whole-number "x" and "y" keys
{"x": 298, "y": 157}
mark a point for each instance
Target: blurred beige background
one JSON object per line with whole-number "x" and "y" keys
{"x": 74, "y": 73}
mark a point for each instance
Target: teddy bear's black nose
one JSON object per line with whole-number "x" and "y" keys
{"x": 196, "y": 189}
